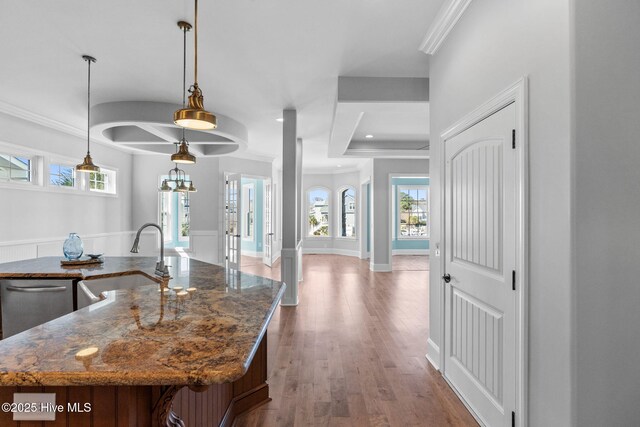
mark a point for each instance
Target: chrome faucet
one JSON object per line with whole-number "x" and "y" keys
{"x": 161, "y": 269}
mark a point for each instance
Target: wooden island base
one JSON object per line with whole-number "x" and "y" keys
{"x": 154, "y": 406}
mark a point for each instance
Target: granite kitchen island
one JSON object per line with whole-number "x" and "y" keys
{"x": 142, "y": 356}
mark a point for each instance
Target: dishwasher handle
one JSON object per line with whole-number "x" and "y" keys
{"x": 37, "y": 289}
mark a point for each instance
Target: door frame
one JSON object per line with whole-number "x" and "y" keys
{"x": 222, "y": 241}
{"x": 517, "y": 94}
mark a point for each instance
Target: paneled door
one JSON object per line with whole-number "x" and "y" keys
{"x": 480, "y": 259}
{"x": 233, "y": 221}
{"x": 267, "y": 257}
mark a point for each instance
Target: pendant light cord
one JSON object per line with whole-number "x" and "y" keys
{"x": 88, "y": 102}
{"x": 195, "y": 71}
{"x": 184, "y": 71}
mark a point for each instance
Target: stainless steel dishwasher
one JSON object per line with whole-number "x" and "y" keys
{"x": 29, "y": 303}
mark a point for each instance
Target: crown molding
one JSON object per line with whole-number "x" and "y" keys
{"x": 30, "y": 116}
{"x": 447, "y": 17}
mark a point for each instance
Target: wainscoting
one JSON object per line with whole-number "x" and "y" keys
{"x": 204, "y": 246}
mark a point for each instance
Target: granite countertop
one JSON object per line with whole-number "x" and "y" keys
{"x": 143, "y": 336}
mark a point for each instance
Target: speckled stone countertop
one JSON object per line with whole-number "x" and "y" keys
{"x": 143, "y": 336}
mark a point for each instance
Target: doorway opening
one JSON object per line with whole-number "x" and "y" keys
{"x": 248, "y": 219}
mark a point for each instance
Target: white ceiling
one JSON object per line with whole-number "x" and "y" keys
{"x": 257, "y": 57}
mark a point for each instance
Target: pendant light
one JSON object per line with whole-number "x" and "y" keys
{"x": 87, "y": 165}
{"x": 182, "y": 155}
{"x": 195, "y": 116}
{"x": 177, "y": 182}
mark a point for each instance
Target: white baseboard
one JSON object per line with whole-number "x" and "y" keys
{"x": 275, "y": 257}
{"x": 365, "y": 255}
{"x": 330, "y": 251}
{"x": 410, "y": 252}
{"x": 379, "y": 267}
{"x": 433, "y": 354}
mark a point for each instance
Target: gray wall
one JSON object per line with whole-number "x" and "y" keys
{"x": 381, "y": 202}
{"x": 606, "y": 205}
{"x": 204, "y": 204}
{"x": 46, "y": 213}
{"x": 207, "y": 214}
{"x": 494, "y": 44}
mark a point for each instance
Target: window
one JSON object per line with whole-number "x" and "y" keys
{"x": 248, "y": 211}
{"x": 413, "y": 208}
{"x": 318, "y": 199}
{"x": 15, "y": 168}
{"x": 103, "y": 181}
{"x": 347, "y": 200}
{"x": 175, "y": 219}
{"x": 62, "y": 175}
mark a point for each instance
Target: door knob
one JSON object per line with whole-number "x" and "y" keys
{"x": 446, "y": 278}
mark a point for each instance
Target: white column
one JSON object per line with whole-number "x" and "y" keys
{"x": 290, "y": 207}
{"x": 300, "y": 205}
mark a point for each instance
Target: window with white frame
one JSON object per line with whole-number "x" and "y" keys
{"x": 15, "y": 168}
{"x": 62, "y": 175}
{"x": 318, "y": 220}
{"x": 103, "y": 181}
{"x": 413, "y": 211}
{"x": 347, "y": 203}
{"x": 175, "y": 218}
{"x": 248, "y": 211}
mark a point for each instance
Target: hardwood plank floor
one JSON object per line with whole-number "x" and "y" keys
{"x": 353, "y": 352}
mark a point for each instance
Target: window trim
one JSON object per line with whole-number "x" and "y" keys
{"x": 339, "y": 212}
{"x": 113, "y": 188}
{"x": 329, "y": 213}
{"x": 171, "y": 244}
{"x": 35, "y": 164}
{"x": 397, "y": 204}
{"x": 54, "y": 162}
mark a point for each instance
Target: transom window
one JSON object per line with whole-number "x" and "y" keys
{"x": 347, "y": 199}
{"x": 318, "y": 222}
{"x": 15, "y": 168}
{"x": 62, "y": 175}
{"x": 103, "y": 181}
{"x": 413, "y": 211}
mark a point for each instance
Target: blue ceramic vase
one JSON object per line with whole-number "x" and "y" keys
{"x": 72, "y": 247}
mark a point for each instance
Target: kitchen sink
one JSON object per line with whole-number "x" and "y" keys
{"x": 90, "y": 290}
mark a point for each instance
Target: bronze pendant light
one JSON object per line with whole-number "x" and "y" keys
{"x": 87, "y": 165}
{"x": 195, "y": 116}
{"x": 182, "y": 155}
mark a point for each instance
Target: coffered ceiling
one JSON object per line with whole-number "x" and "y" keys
{"x": 257, "y": 57}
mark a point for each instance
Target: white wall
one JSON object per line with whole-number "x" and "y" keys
{"x": 606, "y": 205}
{"x": 381, "y": 205}
{"x": 44, "y": 217}
{"x": 494, "y": 44}
{"x": 334, "y": 244}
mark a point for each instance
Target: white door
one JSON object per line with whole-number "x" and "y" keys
{"x": 480, "y": 258}
{"x": 233, "y": 221}
{"x": 267, "y": 259}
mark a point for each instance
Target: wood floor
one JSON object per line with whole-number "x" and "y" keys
{"x": 353, "y": 352}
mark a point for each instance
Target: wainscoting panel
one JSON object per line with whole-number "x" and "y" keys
{"x": 476, "y": 341}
